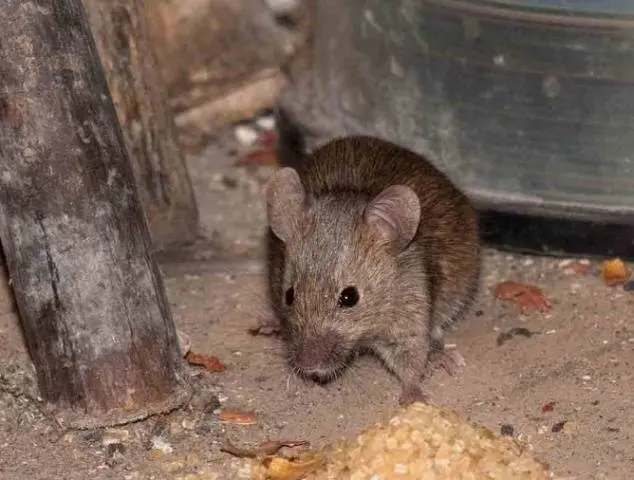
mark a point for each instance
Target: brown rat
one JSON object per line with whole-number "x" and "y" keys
{"x": 371, "y": 248}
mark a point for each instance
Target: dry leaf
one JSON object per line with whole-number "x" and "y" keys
{"x": 615, "y": 272}
{"x": 207, "y": 361}
{"x": 280, "y": 468}
{"x": 259, "y": 157}
{"x": 529, "y": 297}
{"x": 263, "y": 449}
{"x": 236, "y": 417}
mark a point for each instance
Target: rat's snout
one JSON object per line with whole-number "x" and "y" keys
{"x": 320, "y": 357}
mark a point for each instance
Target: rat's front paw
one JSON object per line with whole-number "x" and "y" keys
{"x": 266, "y": 326}
{"x": 412, "y": 394}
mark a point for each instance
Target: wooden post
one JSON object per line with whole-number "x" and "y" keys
{"x": 121, "y": 31}
{"x": 90, "y": 297}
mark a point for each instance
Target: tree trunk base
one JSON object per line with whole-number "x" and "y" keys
{"x": 91, "y": 299}
{"x": 71, "y": 418}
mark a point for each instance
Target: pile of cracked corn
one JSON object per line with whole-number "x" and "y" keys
{"x": 421, "y": 442}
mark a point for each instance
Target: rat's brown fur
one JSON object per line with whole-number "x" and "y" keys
{"x": 327, "y": 238}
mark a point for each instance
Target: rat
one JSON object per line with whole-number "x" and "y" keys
{"x": 371, "y": 248}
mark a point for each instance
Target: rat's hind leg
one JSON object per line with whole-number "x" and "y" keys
{"x": 449, "y": 360}
{"x": 452, "y": 305}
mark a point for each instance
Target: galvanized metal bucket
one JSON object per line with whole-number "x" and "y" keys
{"x": 528, "y": 104}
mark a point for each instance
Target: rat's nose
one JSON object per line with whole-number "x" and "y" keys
{"x": 319, "y": 357}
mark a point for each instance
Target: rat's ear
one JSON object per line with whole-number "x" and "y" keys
{"x": 393, "y": 215}
{"x": 285, "y": 200}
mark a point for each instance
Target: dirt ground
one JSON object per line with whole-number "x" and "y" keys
{"x": 565, "y": 386}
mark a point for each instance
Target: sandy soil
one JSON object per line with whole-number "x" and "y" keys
{"x": 566, "y": 389}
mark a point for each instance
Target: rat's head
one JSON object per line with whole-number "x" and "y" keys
{"x": 341, "y": 254}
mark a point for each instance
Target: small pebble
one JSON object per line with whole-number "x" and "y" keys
{"x": 542, "y": 429}
{"x": 507, "y": 430}
{"x": 586, "y": 378}
{"x": 160, "y": 444}
{"x": 558, "y": 427}
{"x": 266, "y": 122}
{"x": 246, "y": 135}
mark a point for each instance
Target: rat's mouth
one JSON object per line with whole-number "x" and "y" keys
{"x": 321, "y": 358}
{"x": 321, "y": 376}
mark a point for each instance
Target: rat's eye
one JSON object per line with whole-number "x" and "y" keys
{"x": 289, "y": 296}
{"x": 349, "y": 297}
